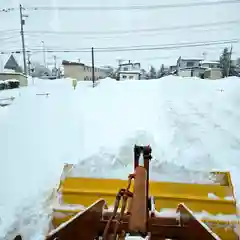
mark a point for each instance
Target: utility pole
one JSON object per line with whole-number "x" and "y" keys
{"x": 55, "y": 61}
{"x": 22, "y": 22}
{"x": 29, "y": 65}
{"x": 55, "y": 70}
{"x": 93, "y": 69}
{"x": 229, "y": 61}
{"x": 44, "y": 54}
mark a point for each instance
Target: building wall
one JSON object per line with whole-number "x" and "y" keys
{"x": 185, "y": 73}
{"x": 74, "y": 71}
{"x": 211, "y": 65}
{"x": 18, "y": 76}
{"x": 213, "y": 74}
{"x": 83, "y": 73}
{"x": 189, "y": 63}
{"x": 130, "y": 67}
{"x": 195, "y": 72}
{"x": 129, "y": 76}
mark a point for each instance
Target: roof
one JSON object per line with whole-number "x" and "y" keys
{"x": 210, "y": 62}
{"x": 72, "y": 63}
{"x": 190, "y": 68}
{"x": 124, "y": 63}
{"x": 191, "y": 59}
{"x": 65, "y": 62}
{"x": 12, "y": 64}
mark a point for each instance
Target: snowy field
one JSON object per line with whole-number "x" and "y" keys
{"x": 192, "y": 126}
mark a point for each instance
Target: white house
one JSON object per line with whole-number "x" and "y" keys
{"x": 199, "y": 68}
{"x": 129, "y": 71}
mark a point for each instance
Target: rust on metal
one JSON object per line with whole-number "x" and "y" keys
{"x": 187, "y": 219}
{"x": 82, "y": 226}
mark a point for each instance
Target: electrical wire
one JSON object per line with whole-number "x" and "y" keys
{"x": 134, "y": 7}
{"x": 135, "y": 48}
{"x": 118, "y": 8}
{"x": 171, "y": 28}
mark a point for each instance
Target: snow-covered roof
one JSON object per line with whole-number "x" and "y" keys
{"x": 128, "y": 63}
{"x": 210, "y": 62}
{"x": 65, "y": 62}
{"x": 191, "y": 59}
{"x": 190, "y": 68}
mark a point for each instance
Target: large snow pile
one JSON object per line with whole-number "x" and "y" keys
{"x": 192, "y": 126}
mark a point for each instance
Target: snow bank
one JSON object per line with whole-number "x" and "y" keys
{"x": 192, "y": 126}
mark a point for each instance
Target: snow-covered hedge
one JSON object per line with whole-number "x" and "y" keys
{"x": 9, "y": 84}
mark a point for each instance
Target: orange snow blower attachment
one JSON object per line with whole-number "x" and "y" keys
{"x": 165, "y": 214}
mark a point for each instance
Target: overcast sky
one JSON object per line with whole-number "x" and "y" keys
{"x": 120, "y": 20}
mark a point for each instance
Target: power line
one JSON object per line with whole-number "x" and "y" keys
{"x": 134, "y": 7}
{"x": 9, "y": 31}
{"x": 136, "y": 48}
{"x": 118, "y": 8}
{"x": 171, "y": 28}
{"x": 165, "y": 45}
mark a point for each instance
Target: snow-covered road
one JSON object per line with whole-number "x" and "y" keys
{"x": 192, "y": 126}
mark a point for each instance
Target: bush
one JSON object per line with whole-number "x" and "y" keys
{"x": 2, "y": 85}
{"x": 13, "y": 84}
{"x": 9, "y": 84}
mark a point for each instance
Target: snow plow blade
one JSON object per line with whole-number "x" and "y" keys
{"x": 213, "y": 204}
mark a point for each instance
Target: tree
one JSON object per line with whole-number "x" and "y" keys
{"x": 143, "y": 74}
{"x": 160, "y": 72}
{"x": 225, "y": 62}
{"x": 152, "y": 73}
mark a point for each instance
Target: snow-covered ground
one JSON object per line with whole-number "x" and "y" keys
{"x": 192, "y": 126}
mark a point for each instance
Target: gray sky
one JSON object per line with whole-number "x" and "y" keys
{"x": 121, "y": 20}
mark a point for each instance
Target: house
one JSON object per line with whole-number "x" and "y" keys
{"x": 199, "y": 68}
{"x": 129, "y": 71}
{"x": 190, "y": 67}
{"x": 12, "y": 70}
{"x": 82, "y": 72}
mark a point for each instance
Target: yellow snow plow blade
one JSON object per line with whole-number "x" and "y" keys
{"x": 214, "y": 203}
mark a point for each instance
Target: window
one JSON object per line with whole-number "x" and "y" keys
{"x": 125, "y": 69}
{"x": 190, "y": 64}
{"x": 130, "y": 77}
{"x": 124, "y": 76}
